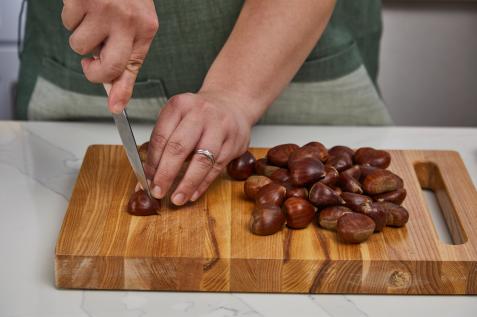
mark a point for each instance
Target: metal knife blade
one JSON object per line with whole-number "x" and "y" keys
{"x": 129, "y": 143}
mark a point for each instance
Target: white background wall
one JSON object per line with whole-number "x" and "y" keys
{"x": 428, "y": 61}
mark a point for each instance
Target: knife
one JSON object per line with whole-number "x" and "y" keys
{"x": 129, "y": 143}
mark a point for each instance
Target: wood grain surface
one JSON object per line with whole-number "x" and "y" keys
{"x": 206, "y": 246}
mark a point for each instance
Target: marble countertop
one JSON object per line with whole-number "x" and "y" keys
{"x": 39, "y": 163}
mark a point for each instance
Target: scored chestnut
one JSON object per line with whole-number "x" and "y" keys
{"x": 298, "y": 212}
{"x": 253, "y": 184}
{"x": 373, "y": 157}
{"x": 242, "y": 167}
{"x": 396, "y": 196}
{"x": 354, "y": 227}
{"x": 382, "y": 181}
{"x": 328, "y": 217}
{"x": 140, "y": 204}
{"x": 271, "y": 194}
{"x": 267, "y": 220}
{"x": 306, "y": 171}
{"x": 322, "y": 195}
{"x": 263, "y": 168}
{"x": 279, "y": 155}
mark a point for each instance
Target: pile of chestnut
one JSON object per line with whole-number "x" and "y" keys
{"x": 348, "y": 191}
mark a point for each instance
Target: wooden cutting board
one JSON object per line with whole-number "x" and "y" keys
{"x": 206, "y": 246}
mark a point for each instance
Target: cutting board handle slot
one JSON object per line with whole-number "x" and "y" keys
{"x": 430, "y": 178}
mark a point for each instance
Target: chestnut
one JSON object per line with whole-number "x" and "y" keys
{"x": 281, "y": 176}
{"x": 341, "y": 163}
{"x": 341, "y": 150}
{"x": 396, "y": 196}
{"x": 140, "y": 204}
{"x": 322, "y": 195}
{"x": 299, "y": 192}
{"x": 241, "y": 167}
{"x": 298, "y": 212}
{"x": 271, "y": 194}
{"x": 354, "y": 171}
{"x": 331, "y": 175}
{"x": 263, "y": 168}
{"x": 349, "y": 184}
{"x": 253, "y": 184}
{"x": 306, "y": 171}
{"x": 382, "y": 181}
{"x": 357, "y": 202}
{"x": 366, "y": 169}
{"x": 314, "y": 150}
{"x": 279, "y": 155}
{"x": 266, "y": 220}
{"x": 373, "y": 157}
{"x": 396, "y": 216}
{"x": 328, "y": 217}
{"x": 379, "y": 217}
{"x": 337, "y": 190}
{"x": 143, "y": 151}
{"x": 354, "y": 227}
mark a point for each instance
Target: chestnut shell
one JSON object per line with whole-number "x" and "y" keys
{"x": 299, "y": 212}
{"x": 279, "y": 155}
{"x": 140, "y": 204}
{"x": 241, "y": 167}
{"x": 354, "y": 227}
{"x": 266, "y": 220}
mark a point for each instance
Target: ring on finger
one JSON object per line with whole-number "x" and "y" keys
{"x": 208, "y": 154}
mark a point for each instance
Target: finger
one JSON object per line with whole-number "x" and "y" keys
{"x": 224, "y": 157}
{"x": 169, "y": 118}
{"x": 72, "y": 14}
{"x": 199, "y": 166}
{"x": 89, "y": 35}
{"x": 112, "y": 60}
{"x": 182, "y": 141}
{"x": 122, "y": 87}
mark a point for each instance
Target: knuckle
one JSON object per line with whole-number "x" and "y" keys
{"x": 151, "y": 26}
{"x": 76, "y": 45}
{"x": 202, "y": 162}
{"x": 175, "y": 149}
{"x": 176, "y": 101}
{"x": 113, "y": 70}
{"x": 158, "y": 141}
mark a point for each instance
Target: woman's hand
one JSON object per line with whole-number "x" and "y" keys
{"x": 188, "y": 122}
{"x": 123, "y": 30}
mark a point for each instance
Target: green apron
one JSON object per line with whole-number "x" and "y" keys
{"x": 190, "y": 37}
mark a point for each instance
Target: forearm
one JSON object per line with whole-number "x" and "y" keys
{"x": 270, "y": 41}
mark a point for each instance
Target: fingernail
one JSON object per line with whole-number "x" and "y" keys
{"x": 156, "y": 192}
{"x": 178, "y": 199}
{"x": 195, "y": 196}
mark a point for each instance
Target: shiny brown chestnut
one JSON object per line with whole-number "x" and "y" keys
{"x": 331, "y": 176}
{"x": 263, "y": 168}
{"x": 143, "y": 151}
{"x": 279, "y": 155}
{"x": 354, "y": 227}
{"x": 322, "y": 195}
{"x": 379, "y": 217}
{"x": 298, "y": 212}
{"x": 396, "y": 196}
{"x": 356, "y": 202}
{"x": 349, "y": 184}
{"x": 271, "y": 194}
{"x": 267, "y": 220}
{"x": 341, "y": 150}
{"x": 242, "y": 167}
{"x": 354, "y": 171}
{"x": 280, "y": 176}
{"x": 396, "y": 216}
{"x": 366, "y": 169}
{"x": 140, "y": 204}
{"x": 314, "y": 150}
{"x": 300, "y": 192}
{"x": 341, "y": 163}
{"x": 382, "y": 181}
{"x": 373, "y": 157}
{"x": 306, "y": 171}
{"x": 253, "y": 184}
{"x": 328, "y": 217}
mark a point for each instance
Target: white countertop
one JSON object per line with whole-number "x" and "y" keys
{"x": 39, "y": 163}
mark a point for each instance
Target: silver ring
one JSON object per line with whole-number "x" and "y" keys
{"x": 207, "y": 154}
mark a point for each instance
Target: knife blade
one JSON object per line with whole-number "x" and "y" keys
{"x": 129, "y": 142}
